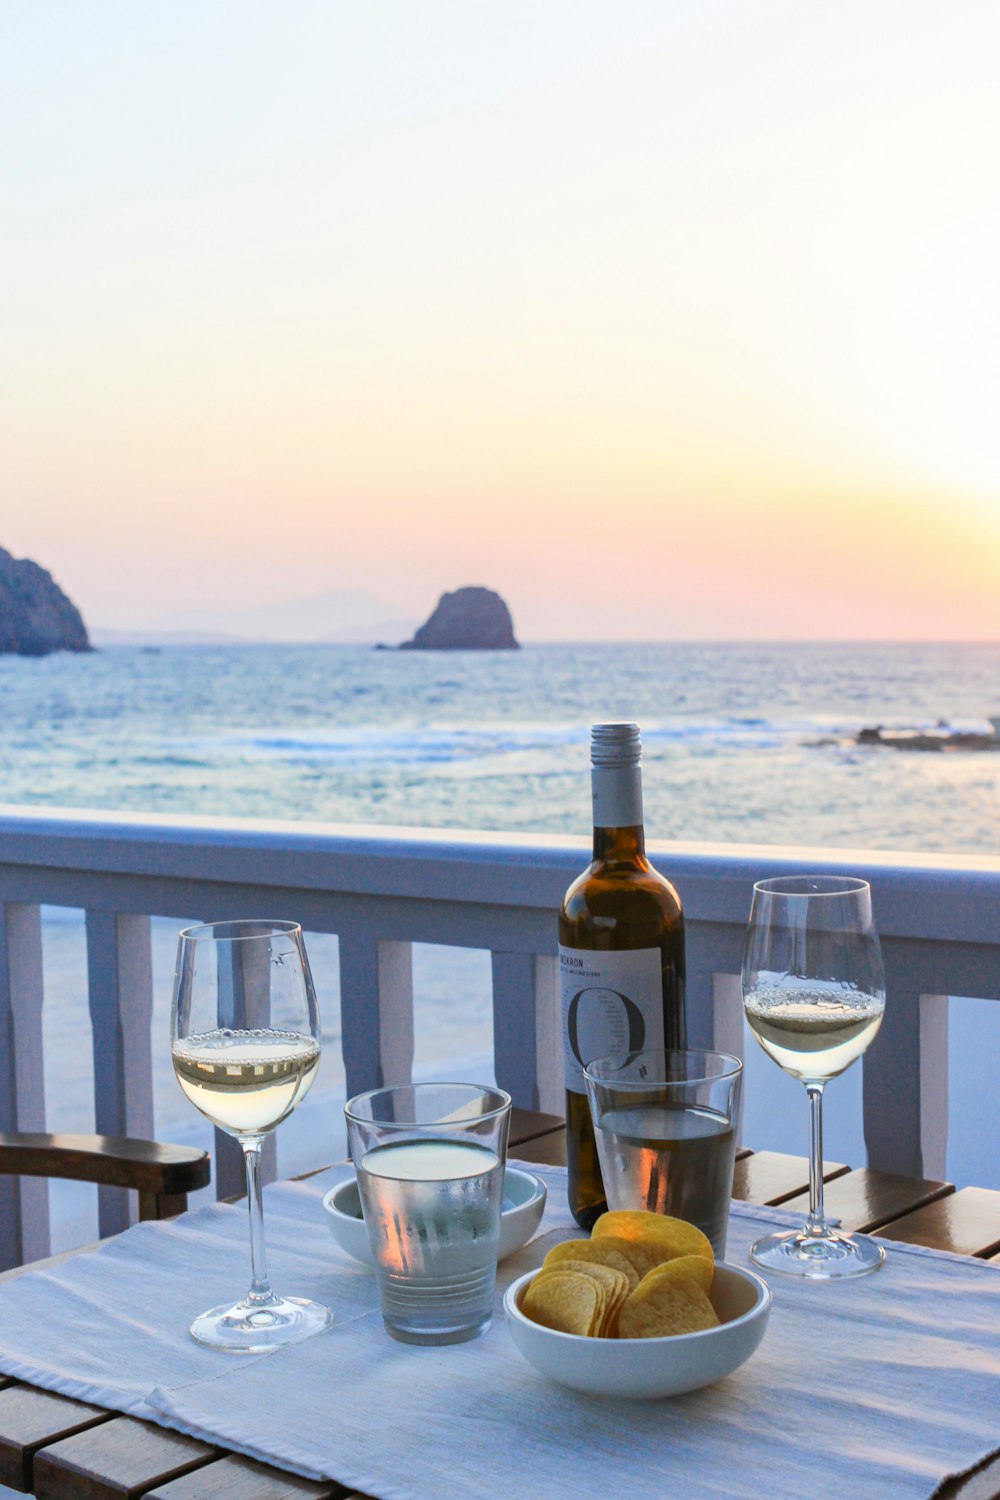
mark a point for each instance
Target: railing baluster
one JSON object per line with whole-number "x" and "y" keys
{"x": 24, "y": 1202}
{"x": 120, "y": 984}
{"x": 906, "y": 1075}
{"x": 527, "y": 1045}
{"x": 727, "y": 1031}
{"x": 727, "y": 1012}
{"x": 714, "y": 952}
{"x": 376, "y": 1010}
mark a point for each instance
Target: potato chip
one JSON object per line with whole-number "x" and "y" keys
{"x": 615, "y": 1285}
{"x": 674, "y": 1236}
{"x": 642, "y": 1256}
{"x": 662, "y": 1307}
{"x": 685, "y": 1268}
{"x": 563, "y": 1300}
{"x": 600, "y": 1254}
{"x": 579, "y": 1268}
{"x": 609, "y": 1328}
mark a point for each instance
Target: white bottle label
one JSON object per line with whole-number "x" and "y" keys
{"x": 617, "y": 796}
{"x": 611, "y": 1002}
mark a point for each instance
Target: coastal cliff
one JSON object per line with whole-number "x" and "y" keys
{"x": 36, "y": 617}
{"x": 470, "y": 619}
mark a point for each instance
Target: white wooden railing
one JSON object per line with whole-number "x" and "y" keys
{"x": 381, "y": 890}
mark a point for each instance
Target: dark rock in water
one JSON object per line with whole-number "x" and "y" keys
{"x": 35, "y": 615}
{"x": 937, "y": 740}
{"x": 470, "y": 619}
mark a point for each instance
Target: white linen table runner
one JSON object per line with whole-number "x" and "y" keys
{"x": 874, "y": 1388}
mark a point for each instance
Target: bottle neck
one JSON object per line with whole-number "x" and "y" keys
{"x": 620, "y": 846}
{"x": 618, "y": 834}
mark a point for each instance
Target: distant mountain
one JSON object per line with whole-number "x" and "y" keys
{"x": 105, "y": 636}
{"x": 343, "y": 615}
{"x": 386, "y": 632}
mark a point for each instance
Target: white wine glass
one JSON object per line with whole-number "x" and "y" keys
{"x": 245, "y": 1042}
{"x": 814, "y": 996}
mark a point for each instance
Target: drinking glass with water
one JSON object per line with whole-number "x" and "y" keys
{"x": 665, "y": 1122}
{"x": 430, "y": 1164}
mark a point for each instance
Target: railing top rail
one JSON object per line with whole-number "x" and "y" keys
{"x": 930, "y": 896}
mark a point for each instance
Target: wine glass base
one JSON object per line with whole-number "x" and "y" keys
{"x": 822, "y": 1257}
{"x": 257, "y": 1328}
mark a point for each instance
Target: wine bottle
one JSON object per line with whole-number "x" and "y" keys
{"x": 621, "y": 953}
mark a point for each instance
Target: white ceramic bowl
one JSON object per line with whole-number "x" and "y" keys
{"x": 644, "y": 1368}
{"x": 523, "y": 1197}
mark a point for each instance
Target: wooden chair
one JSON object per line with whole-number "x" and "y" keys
{"x": 162, "y": 1175}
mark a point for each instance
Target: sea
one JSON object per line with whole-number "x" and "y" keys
{"x": 742, "y": 743}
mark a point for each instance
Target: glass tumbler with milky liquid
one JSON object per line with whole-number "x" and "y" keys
{"x": 665, "y": 1123}
{"x": 430, "y": 1163}
{"x": 814, "y": 997}
{"x": 245, "y": 1043}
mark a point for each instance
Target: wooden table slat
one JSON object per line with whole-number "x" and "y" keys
{"x": 235, "y": 1478}
{"x": 549, "y": 1150}
{"x": 31, "y": 1419}
{"x": 123, "y": 1458}
{"x": 966, "y": 1223}
{"x": 530, "y": 1125}
{"x": 526, "y": 1124}
{"x": 770, "y": 1177}
{"x": 864, "y": 1200}
{"x": 545, "y": 1150}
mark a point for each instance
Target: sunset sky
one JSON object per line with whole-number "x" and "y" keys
{"x": 664, "y": 319}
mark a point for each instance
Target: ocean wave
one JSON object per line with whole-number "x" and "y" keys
{"x": 414, "y": 745}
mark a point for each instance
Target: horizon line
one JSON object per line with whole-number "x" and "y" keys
{"x": 168, "y": 638}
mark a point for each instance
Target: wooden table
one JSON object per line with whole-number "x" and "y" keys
{"x": 65, "y": 1450}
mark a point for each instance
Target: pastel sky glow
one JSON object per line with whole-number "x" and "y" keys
{"x": 664, "y": 320}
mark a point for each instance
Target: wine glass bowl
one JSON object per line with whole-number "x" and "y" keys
{"x": 245, "y": 1044}
{"x": 814, "y": 996}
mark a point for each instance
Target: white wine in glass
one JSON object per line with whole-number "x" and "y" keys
{"x": 246, "y": 1081}
{"x": 814, "y": 1034}
{"x": 245, "y": 1043}
{"x": 814, "y": 997}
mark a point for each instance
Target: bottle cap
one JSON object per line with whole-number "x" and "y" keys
{"x": 615, "y": 745}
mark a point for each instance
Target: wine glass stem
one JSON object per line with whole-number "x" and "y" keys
{"x": 260, "y": 1288}
{"x": 816, "y": 1223}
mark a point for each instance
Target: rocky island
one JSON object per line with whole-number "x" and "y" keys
{"x": 470, "y": 619}
{"x": 941, "y": 739}
{"x": 36, "y": 617}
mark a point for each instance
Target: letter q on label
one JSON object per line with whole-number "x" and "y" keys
{"x": 633, "y": 1015}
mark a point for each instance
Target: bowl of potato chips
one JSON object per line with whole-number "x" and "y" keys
{"x": 639, "y": 1310}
